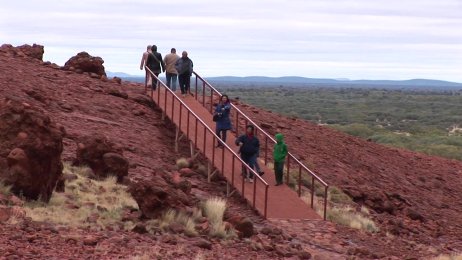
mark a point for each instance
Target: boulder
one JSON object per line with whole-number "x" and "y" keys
{"x": 101, "y": 155}
{"x": 84, "y": 62}
{"x": 30, "y": 150}
{"x": 242, "y": 224}
{"x": 143, "y": 100}
{"x": 155, "y": 195}
{"x": 35, "y": 51}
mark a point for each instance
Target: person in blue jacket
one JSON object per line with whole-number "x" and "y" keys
{"x": 249, "y": 146}
{"x": 223, "y": 122}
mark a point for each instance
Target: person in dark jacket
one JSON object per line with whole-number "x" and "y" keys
{"x": 279, "y": 155}
{"x": 222, "y": 112}
{"x": 249, "y": 146}
{"x": 155, "y": 64}
{"x": 184, "y": 66}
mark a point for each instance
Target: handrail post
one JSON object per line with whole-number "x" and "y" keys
{"x": 196, "y": 88}
{"x": 181, "y": 114}
{"x": 211, "y": 101}
{"x": 232, "y": 170}
{"x": 173, "y": 107}
{"x": 299, "y": 180}
{"x": 254, "y": 189}
{"x": 158, "y": 94}
{"x": 165, "y": 100}
{"x": 237, "y": 123}
{"x": 312, "y": 192}
{"x": 266, "y": 150}
{"x": 187, "y": 125}
{"x": 195, "y": 137}
{"x": 266, "y": 201}
{"x": 205, "y": 138}
{"x": 213, "y": 150}
{"x": 203, "y": 94}
{"x": 288, "y": 170}
{"x": 222, "y": 160}
{"x": 325, "y": 202}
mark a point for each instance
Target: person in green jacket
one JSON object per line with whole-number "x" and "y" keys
{"x": 279, "y": 155}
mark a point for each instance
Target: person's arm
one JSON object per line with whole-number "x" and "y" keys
{"x": 285, "y": 151}
{"x": 162, "y": 63}
{"x": 239, "y": 140}
{"x": 191, "y": 67}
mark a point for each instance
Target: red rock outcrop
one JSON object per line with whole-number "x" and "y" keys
{"x": 30, "y": 150}
{"x": 102, "y": 156}
{"x": 155, "y": 195}
{"x": 84, "y": 62}
{"x": 35, "y": 51}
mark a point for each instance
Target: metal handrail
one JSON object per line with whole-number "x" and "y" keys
{"x": 267, "y": 136}
{"x": 215, "y": 137}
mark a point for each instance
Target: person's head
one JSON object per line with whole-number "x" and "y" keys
{"x": 148, "y": 48}
{"x": 224, "y": 99}
{"x": 184, "y": 54}
{"x": 249, "y": 129}
{"x": 173, "y": 50}
{"x": 154, "y": 48}
{"x": 279, "y": 137}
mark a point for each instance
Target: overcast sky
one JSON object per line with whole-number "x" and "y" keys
{"x": 356, "y": 39}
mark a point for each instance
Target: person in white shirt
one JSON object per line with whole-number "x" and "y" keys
{"x": 144, "y": 59}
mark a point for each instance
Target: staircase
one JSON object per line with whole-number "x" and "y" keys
{"x": 192, "y": 116}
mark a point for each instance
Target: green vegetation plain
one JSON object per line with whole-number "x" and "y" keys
{"x": 427, "y": 121}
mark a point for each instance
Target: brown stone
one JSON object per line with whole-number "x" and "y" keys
{"x": 84, "y": 62}
{"x": 30, "y": 164}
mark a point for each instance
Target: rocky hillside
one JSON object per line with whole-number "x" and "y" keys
{"x": 414, "y": 198}
{"x": 413, "y": 195}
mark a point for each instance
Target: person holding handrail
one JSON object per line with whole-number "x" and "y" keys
{"x": 221, "y": 117}
{"x": 249, "y": 145}
{"x": 144, "y": 59}
{"x": 155, "y": 64}
{"x": 184, "y": 66}
{"x": 279, "y": 155}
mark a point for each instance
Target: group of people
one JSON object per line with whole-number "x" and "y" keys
{"x": 249, "y": 145}
{"x": 176, "y": 67}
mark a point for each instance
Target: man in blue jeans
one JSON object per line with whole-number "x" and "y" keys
{"x": 249, "y": 146}
{"x": 171, "y": 72}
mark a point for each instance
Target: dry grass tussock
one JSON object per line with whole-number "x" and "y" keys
{"x": 82, "y": 200}
{"x": 5, "y": 189}
{"x": 214, "y": 209}
{"x": 340, "y": 211}
{"x": 455, "y": 256}
{"x": 182, "y": 163}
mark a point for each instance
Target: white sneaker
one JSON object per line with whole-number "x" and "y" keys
{"x": 250, "y": 180}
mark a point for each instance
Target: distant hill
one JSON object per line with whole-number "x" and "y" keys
{"x": 314, "y": 82}
{"x": 119, "y": 74}
{"x": 337, "y": 82}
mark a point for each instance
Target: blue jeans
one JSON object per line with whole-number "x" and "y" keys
{"x": 171, "y": 80}
{"x": 250, "y": 160}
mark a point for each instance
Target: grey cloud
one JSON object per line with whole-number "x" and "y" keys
{"x": 337, "y": 38}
